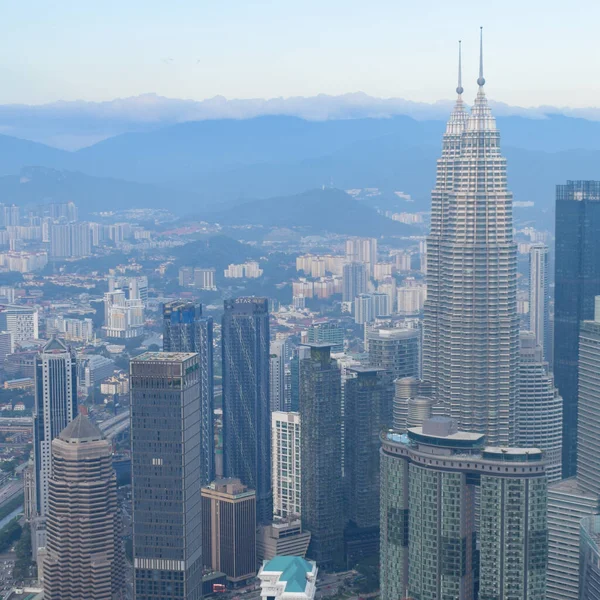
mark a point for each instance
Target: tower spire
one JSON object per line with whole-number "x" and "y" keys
{"x": 481, "y": 80}
{"x": 459, "y": 89}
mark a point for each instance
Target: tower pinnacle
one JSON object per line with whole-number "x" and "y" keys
{"x": 481, "y": 80}
{"x": 459, "y": 89}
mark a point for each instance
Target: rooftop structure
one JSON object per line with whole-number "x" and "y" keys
{"x": 288, "y": 578}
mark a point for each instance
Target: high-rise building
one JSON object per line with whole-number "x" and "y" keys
{"x": 10, "y": 215}
{"x": 395, "y": 349}
{"x": 321, "y": 453}
{"x": 286, "y": 464}
{"x": 165, "y": 468}
{"x": 300, "y": 353}
{"x": 588, "y": 453}
{"x": 577, "y": 282}
{"x": 123, "y": 318}
{"x": 539, "y": 412}
{"x": 6, "y": 346}
{"x": 186, "y": 330}
{"x": 411, "y": 296}
{"x": 135, "y": 288}
{"x": 368, "y": 307}
{"x": 84, "y": 557}
{"x": 201, "y": 279}
{"x": 471, "y": 341}
{"x": 21, "y": 321}
{"x": 70, "y": 240}
{"x": 368, "y": 397}
{"x": 55, "y": 407}
{"x": 328, "y": 332}
{"x": 229, "y": 529}
{"x": 277, "y": 375}
{"x": 429, "y": 478}
{"x": 63, "y": 210}
{"x": 362, "y": 250}
{"x": 572, "y": 499}
{"x": 568, "y": 504}
{"x": 539, "y": 297}
{"x": 246, "y": 398}
{"x": 355, "y": 281}
{"x": 589, "y": 553}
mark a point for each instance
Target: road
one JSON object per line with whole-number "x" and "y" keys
{"x": 10, "y": 490}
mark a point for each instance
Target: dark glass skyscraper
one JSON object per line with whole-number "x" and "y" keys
{"x": 186, "y": 330}
{"x": 165, "y": 466}
{"x": 577, "y": 282}
{"x": 246, "y": 398}
{"x": 368, "y": 395}
{"x": 321, "y": 454}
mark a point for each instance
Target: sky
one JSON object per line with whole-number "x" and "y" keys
{"x": 536, "y": 52}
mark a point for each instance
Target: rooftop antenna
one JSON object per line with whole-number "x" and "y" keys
{"x": 459, "y": 89}
{"x": 481, "y": 80}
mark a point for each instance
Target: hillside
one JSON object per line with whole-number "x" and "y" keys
{"x": 199, "y": 166}
{"x": 36, "y": 185}
{"x": 316, "y": 211}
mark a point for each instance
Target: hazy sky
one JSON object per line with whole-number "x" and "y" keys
{"x": 536, "y": 52}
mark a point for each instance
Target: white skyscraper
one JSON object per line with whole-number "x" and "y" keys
{"x": 539, "y": 297}
{"x": 54, "y": 408}
{"x": 539, "y": 413}
{"x": 471, "y": 342}
{"x": 21, "y": 321}
{"x": 286, "y": 465}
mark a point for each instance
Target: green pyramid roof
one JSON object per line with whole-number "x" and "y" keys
{"x": 294, "y": 570}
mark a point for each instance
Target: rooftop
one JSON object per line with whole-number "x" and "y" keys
{"x": 512, "y": 454}
{"x": 81, "y": 429}
{"x": 392, "y": 333}
{"x": 55, "y": 344}
{"x": 164, "y": 356}
{"x": 318, "y": 344}
{"x": 365, "y": 369}
{"x": 570, "y": 487}
{"x": 294, "y": 571}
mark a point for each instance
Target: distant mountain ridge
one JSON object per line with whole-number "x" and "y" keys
{"x": 74, "y": 124}
{"x": 208, "y": 164}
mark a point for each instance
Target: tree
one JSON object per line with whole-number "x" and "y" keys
{"x": 23, "y": 564}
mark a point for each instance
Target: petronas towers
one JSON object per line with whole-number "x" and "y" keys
{"x": 471, "y": 329}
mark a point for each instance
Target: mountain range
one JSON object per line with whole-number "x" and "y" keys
{"x": 75, "y": 124}
{"x": 205, "y": 166}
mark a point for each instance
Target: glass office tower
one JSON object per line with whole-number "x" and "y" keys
{"x": 186, "y": 330}
{"x": 577, "y": 282}
{"x": 165, "y": 468}
{"x": 246, "y": 398}
{"x": 321, "y": 454}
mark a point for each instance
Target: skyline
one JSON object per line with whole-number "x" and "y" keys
{"x": 288, "y": 50}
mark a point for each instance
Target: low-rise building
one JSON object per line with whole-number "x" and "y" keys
{"x": 288, "y": 578}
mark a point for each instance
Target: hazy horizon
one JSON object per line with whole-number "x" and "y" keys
{"x": 264, "y": 50}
